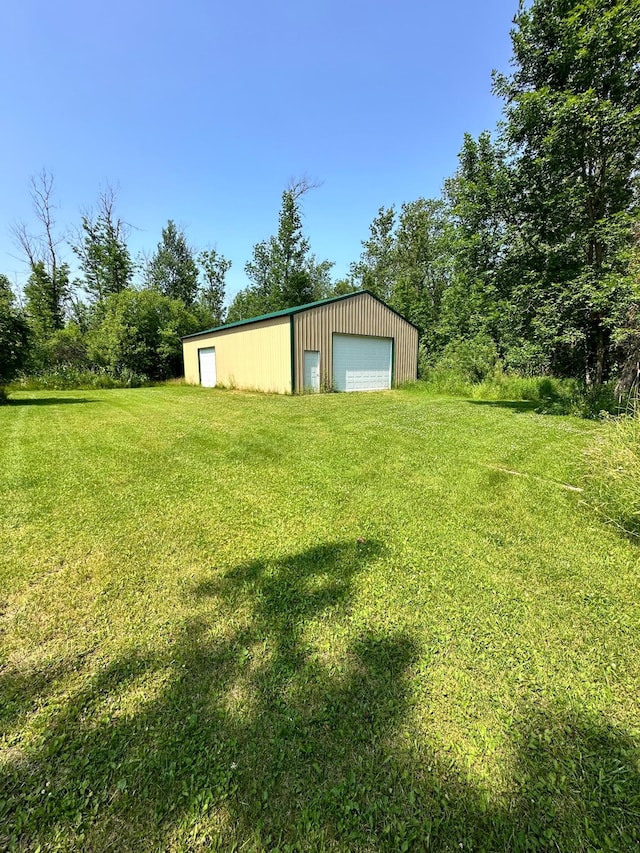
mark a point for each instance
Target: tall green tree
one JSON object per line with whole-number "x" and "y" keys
{"x": 102, "y": 251}
{"x": 214, "y": 268}
{"x": 14, "y": 334}
{"x": 282, "y": 271}
{"x": 172, "y": 271}
{"x": 376, "y": 269}
{"x": 572, "y": 120}
{"x": 47, "y": 292}
{"x": 263, "y": 293}
{"x": 291, "y": 249}
{"x": 478, "y": 197}
{"x": 423, "y": 266}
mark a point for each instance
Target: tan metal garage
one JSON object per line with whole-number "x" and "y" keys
{"x": 349, "y": 343}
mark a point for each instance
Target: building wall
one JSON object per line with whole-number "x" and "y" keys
{"x": 358, "y": 315}
{"x": 253, "y": 357}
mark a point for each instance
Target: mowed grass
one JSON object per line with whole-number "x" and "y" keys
{"x": 345, "y": 622}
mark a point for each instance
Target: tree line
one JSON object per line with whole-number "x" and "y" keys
{"x": 530, "y": 256}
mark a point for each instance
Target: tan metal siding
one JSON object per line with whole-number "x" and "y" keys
{"x": 358, "y": 315}
{"x": 252, "y": 357}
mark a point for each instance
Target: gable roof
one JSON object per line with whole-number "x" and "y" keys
{"x": 298, "y": 309}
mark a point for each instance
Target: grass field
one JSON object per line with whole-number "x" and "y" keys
{"x": 345, "y": 622}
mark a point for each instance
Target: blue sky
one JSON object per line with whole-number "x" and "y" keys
{"x": 201, "y": 112}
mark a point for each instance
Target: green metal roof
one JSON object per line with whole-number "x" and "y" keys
{"x": 288, "y": 311}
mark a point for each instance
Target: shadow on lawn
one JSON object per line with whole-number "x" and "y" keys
{"x": 519, "y": 406}
{"x": 48, "y": 401}
{"x": 259, "y": 740}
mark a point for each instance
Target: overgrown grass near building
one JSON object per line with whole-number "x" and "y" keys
{"x": 548, "y": 395}
{"x": 614, "y": 472}
{"x": 341, "y": 622}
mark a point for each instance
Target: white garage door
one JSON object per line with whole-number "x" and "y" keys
{"x": 361, "y": 363}
{"x": 207, "y": 359}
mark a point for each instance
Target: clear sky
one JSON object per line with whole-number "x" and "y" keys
{"x": 201, "y": 111}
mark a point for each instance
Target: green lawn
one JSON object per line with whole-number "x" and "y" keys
{"x": 346, "y": 622}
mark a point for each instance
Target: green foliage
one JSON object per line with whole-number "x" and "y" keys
{"x": 282, "y": 270}
{"x": 14, "y": 334}
{"x": 290, "y": 251}
{"x": 246, "y": 303}
{"x": 66, "y": 377}
{"x": 423, "y": 261}
{"x": 613, "y": 483}
{"x": 473, "y": 360}
{"x": 213, "y": 267}
{"x": 597, "y": 401}
{"x": 376, "y": 269}
{"x": 101, "y": 248}
{"x": 478, "y": 196}
{"x": 527, "y": 358}
{"x": 47, "y": 292}
{"x": 172, "y": 271}
{"x": 439, "y": 655}
{"x": 140, "y": 331}
{"x": 572, "y": 106}
{"x": 4, "y": 396}
{"x": 65, "y": 347}
{"x": 341, "y": 287}
{"x": 457, "y": 374}
{"x": 533, "y": 245}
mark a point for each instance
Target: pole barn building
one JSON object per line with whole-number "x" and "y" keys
{"x": 349, "y": 343}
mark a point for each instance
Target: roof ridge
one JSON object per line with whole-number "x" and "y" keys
{"x": 294, "y": 310}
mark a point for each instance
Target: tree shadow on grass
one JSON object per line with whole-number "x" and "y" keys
{"x": 519, "y": 406}
{"x": 255, "y": 733}
{"x": 48, "y": 401}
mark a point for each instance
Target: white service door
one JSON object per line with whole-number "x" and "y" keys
{"x": 361, "y": 363}
{"x": 207, "y": 367}
{"x": 311, "y": 370}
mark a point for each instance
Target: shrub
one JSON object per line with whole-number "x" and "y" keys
{"x": 67, "y": 377}
{"x": 527, "y": 359}
{"x": 140, "y": 331}
{"x": 471, "y": 359}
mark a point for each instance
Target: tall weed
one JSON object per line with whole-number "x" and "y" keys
{"x": 613, "y": 481}
{"x": 67, "y": 378}
{"x": 548, "y": 392}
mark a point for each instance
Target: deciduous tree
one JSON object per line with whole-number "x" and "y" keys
{"x": 478, "y": 197}
{"x": 102, "y": 251}
{"x": 572, "y": 120}
{"x": 172, "y": 270}
{"x": 376, "y": 269}
{"x": 423, "y": 265}
{"x": 14, "y": 334}
{"x": 282, "y": 271}
{"x": 214, "y": 268}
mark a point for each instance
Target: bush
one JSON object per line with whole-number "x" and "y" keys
{"x": 472, "y": 359}
{"x": 4, "y": 397}
{"x": 140, "y": 331}
{"x": 65, "y": 348}
{"x": 527, "y": 359}
{"x": 613, "y": 480}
